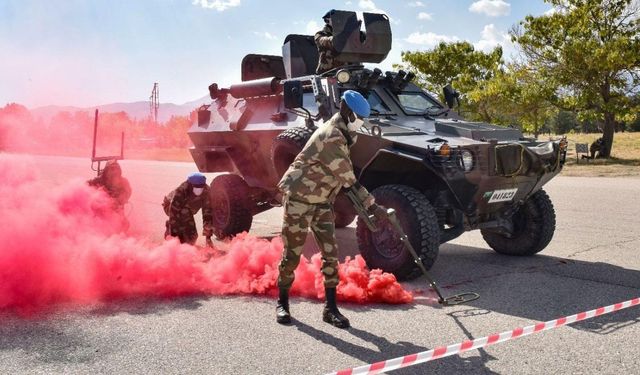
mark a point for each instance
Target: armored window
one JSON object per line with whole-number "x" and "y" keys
{"x": 416, "y": 103}
{"x": 310, "y": 104}
{"x": 376, "y": 103}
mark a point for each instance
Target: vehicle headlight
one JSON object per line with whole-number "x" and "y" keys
{"x": 466, "y": 159}
{"x": 343, "y": 76}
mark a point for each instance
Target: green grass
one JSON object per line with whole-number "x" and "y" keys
{"x": 624, "y": 161}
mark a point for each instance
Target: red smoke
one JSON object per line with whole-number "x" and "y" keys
{"x": 60, "y": 245}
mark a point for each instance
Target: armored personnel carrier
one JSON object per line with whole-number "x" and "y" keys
{"x": 443, "y": 175}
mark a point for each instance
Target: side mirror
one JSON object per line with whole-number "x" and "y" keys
{"x": 292, "y": 94}
{"x": 451, "y": 96}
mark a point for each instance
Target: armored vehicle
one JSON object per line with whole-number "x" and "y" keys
{"x": 443, "y": 175}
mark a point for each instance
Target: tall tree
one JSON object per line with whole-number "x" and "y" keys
{"x": 458, "y": 64}
{"x": 565, "y": 122}
{"x": 590, "y": 49}
{"x": 517, "y": 95}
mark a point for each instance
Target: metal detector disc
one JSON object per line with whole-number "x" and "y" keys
{"x": 460, "y": 298}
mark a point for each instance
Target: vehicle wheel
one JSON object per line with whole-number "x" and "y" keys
{"x": 384, "y": 249}
{"x": 286, "y": 147}
{"x": 230, "y": 204}
{"x": 533, "y": 226}
{"x": 343, "y": 211}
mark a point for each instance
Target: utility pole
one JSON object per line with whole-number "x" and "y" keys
{"x": 154, "y": 104}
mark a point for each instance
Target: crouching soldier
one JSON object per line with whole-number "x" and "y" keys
{"x": 183, "y": 203}
{"x": 112, "y": 182}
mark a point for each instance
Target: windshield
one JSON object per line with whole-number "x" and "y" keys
{"x": 417, "y": 103}
{"x": 377, "y": 105}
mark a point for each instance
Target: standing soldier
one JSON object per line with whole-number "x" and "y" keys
{"x": 183, "y": 203}
{"x": 114, "y": 184}
{"x": 326, "y": 49}
{"x": 309, "y": 188}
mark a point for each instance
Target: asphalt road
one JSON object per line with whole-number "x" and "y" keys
{"x": 591, "y": 262}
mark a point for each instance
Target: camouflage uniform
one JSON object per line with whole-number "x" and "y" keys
{"x": 310, "y": 186}
{"x": 115, "y": 185}
{"x": 181, "y": 205}
{"x": 326, "y": 50}
{"x": 596, "y": 146}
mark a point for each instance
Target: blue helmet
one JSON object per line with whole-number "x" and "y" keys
{"x": 357, "y": 103}
{"x": 197, "y": 179}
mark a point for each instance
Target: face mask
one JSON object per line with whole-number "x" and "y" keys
{"x": 355, "y": 125}
{"x": 197, "y": 191}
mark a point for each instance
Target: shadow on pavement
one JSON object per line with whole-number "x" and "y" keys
{"x": 150, "y": 306}
{"x": 53, "y": 337}
{"x": 46, "y": 341}
{"x": 539, "y": 287}
{"x": 388, "y": 350}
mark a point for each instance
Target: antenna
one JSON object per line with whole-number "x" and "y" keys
{"x": 154, "y": 104}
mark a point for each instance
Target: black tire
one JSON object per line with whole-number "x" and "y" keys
{"x": 384, "y": 249}
{"x": 533, "y": 226}
{"x": 230, "y": 204}
{"x": 343, "y": 211}
{"x": 286, "y": 147}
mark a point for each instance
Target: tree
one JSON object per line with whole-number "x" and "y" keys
{"x": 590, "y": 49}
{"x": 16, "y": 126}
{"x": 565, "y": 122}
{"x": 458, "y": 64}
{"x": 175, "y": 132}
{"x": 516, "y": 95}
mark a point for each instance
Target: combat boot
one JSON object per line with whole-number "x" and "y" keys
{"x": 282, "y": 308}
{"x": 330, "y": 314}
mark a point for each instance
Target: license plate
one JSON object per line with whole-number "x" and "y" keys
{"x": 504, "y": 195}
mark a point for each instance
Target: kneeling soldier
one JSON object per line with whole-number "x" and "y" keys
{"x": 183, "y": 203}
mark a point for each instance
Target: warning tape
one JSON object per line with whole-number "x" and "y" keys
{"x": 445, "y": 351}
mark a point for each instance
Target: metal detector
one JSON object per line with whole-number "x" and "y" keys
{"x": 370, "y": 221}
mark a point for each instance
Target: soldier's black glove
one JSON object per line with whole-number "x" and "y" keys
{"x": 378, "y": 211}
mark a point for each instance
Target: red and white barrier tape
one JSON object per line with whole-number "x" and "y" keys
{"x": 445, "y": 351}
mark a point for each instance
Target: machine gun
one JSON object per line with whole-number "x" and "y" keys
{"x": 371, "y": 223}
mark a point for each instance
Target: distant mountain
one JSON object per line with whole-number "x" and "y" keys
{"x": 137, "y": 110}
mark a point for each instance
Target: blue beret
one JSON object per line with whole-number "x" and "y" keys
{"x": 197, "y": 178}
{"x": 357, "y": 103}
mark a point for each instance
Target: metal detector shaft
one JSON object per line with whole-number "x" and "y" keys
{"x": 391, "y": 215}
{"x": 452, "y": 300}
{"x": 361, "y": 210}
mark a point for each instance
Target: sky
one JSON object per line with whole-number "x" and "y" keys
{"x": 86, "y": 53}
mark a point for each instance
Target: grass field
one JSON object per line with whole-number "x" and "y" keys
{"x": 624, "y": 161}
